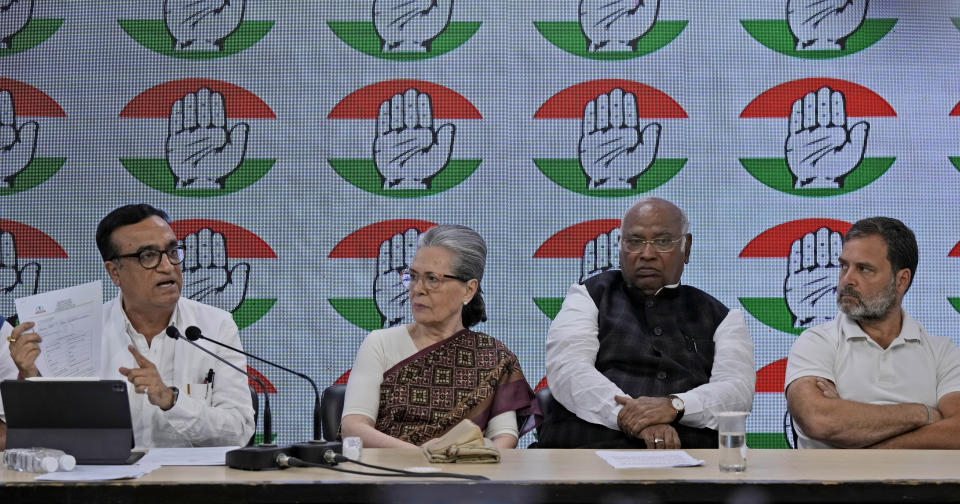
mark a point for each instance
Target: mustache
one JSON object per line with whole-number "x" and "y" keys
{"x": 849, "y": 291}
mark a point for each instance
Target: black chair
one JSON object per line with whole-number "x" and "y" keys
{"x": 547, "y": 403}
{"x": 256, "y": 413}
{"x": 789, "y": 432}
{"x": 331, "y": 408}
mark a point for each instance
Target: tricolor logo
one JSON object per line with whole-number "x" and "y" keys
{"x": 806, "y": 253}
{"x": 595, "y": 243}
{"x": 812, "y": 29}
{"x": 824, "y": 153}
{"x": 955, "y": 301}
{"x": 402, "y": 30}
{"x": 22, "y": 28}
{"x": 767, "y": 424}
{"x": 22, "y": 251}
{"x": 615, "y": 152}
{"x": 21, "y": 167}
{"x": 199, "y": 146}
{"x": 955, "y": 113}
{"x": 220, "y": 260}
{"x": 410, "y": 137}
{"x": 612, "y": 29}
{"x": 197, "y": 30}
{"x": 389, "y": 245}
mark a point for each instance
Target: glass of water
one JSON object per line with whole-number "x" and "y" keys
{"x": 732, "y": 426}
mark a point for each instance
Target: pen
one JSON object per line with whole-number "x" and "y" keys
{"x": 209, "y": 378}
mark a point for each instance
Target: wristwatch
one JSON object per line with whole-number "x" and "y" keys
{"x": 677, "y": 404}
{"x": 176, "y": 395}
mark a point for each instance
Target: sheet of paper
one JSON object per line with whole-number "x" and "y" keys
{"x": 214, "y": 455}
{"x": 100, "y": 472}
{"x": 646, "y": 459}
{"x": 70, "y": 322}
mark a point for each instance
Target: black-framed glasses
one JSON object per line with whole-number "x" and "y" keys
{"x": 149, "y": 258}
{"x": 659, "y": 244}
{"x": 431, "y": 280}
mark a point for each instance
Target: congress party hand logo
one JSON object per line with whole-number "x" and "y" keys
{"x": 217, "y": 267}
{"x": 412, "y": 142}
{"x": 20, "y": 166}
{"x": 21, "y": 27}
{"x": 612, "y": 29}
{"x": 820, "y": 29}
{"x": 807, "y": 251}
{"x": 406, "y": 30}
{"x": 197, "y": 29}
{"x": 618, "y": 145}
{"x": 595, "y": 243}
{"x": 824, "y": 152}
{"x": 391, "y": 245}
{"x": 20, "y": 248}
{"x": 204, "y": 150}
{"x": 954, "y": 301}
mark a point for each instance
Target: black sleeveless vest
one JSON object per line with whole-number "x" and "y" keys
{"x": 649, "y": 345}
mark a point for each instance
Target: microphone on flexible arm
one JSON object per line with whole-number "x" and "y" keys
{"x": 254, "y": 458}
{"x": 193, "y": 333}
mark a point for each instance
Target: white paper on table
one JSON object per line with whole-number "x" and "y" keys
{"x": 206, "y": 456}
{"x": 647, "y": 459}
{"x": 70, "y": 323}
{"x": 100, "y": 472}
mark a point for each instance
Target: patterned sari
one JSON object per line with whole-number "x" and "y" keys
{"x": 468, "y": 375}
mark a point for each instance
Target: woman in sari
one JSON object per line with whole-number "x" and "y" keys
{"x": 412, "y": 383}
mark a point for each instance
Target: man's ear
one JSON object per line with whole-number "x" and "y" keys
{"x": 903, "y": 279}
{"x": 688, "y": 241}
{"x": 113, "y": 269}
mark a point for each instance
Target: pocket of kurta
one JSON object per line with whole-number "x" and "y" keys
{"x": 200, "y": 392}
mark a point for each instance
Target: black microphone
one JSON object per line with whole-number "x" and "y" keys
{"x": 193, "y": 333}
{"x": 267, "y": 419}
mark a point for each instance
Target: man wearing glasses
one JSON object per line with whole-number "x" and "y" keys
{"x": 174, "y": 399}
{"x": 637, "y": 360}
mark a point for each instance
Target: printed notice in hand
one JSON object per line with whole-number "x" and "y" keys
{"x": 648, "y": 459}
{"x": 69, "y": 322}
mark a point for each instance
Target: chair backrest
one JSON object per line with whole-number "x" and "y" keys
{"x": 789, "y": 432}
{"x": 546, "y": 401}
{"x": 256, "y": 413}
{"x": 331, "y": 408}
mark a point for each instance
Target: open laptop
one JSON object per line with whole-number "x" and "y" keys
{"x": 89, "y": 419}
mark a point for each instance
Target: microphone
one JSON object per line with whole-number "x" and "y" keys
{"x": 174, "y": 333}
{"x": 193, "y": 333}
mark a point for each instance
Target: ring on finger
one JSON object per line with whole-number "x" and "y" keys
{"x": 11, "y": 339}
{"x": 657, "y": 441}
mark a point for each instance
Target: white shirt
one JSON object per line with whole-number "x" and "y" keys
{"x": 381, "y": 350}
{"x": 572, "y": 346}
{"x": 222, "y": 417}
{"x": 915, "y": 368}
{"x": 8, "y": 370}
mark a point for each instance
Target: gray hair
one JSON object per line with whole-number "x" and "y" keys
{"x": 470, "y": 257}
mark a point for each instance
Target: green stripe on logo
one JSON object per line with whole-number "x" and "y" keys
{"x": 36, "y": 173}
{"x": 772, "y": 312}
{"x": 252, "y": 310}
{"x": 774, "y": 173}
{"x": 363, "y": 174}
{"x": 361, "y": 312}
{"x": 549, "y": 306}
{"x": 567, "y": 174}
{"x": 156, "y": 174}
{"x": 775, "y": 34}
{"x": 567, "y": 36}
{"x": 362, "y": 36}
{"x": 153, "y": 34}
{"x": 32, "y": 35}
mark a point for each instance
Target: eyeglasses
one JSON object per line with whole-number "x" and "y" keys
{"x": 150, "y": 257}
{"x": 431, "y": 281}
{"x": 659, "y": 244}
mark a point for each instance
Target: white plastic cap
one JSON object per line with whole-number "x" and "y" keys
{"x": 67, "y": 462}
{"x": 49, "y": 464}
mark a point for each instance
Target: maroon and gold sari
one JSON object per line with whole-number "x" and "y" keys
{"x": 469, "y": 375}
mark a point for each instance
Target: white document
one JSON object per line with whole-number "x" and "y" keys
{"x": 100, "y": 472}
{"x": 647, "y": 459}
{"x": 207, "y": 456}
{"x": 70, "y": 323}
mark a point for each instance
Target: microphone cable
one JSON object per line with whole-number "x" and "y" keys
{"x": 283, "y": 461}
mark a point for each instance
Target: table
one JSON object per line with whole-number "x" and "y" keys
{"x": 530, "y": 476}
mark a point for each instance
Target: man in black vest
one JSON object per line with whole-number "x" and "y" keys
{"x": 637, "y": 360}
